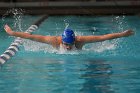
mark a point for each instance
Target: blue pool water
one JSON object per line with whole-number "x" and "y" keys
{"x": 104, "y": 67}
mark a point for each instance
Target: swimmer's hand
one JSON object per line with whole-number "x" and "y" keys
{"x": 128, "y": 33}
{"x": 8, "y": 30}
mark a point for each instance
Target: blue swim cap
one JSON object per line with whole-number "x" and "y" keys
{"x": 68, "y": 36}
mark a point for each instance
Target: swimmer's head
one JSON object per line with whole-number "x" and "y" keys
{"x": 68, "y": 36}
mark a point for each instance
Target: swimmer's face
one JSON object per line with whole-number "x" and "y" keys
{"x": 68, "y": 46}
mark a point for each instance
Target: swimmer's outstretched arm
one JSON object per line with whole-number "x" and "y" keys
{"x": 39, "y": 38}
{"x": 91, "y": 39}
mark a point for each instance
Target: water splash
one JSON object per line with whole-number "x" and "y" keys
{"x": 66, "y": 25}
{"x": 17, "y": 15}
{"x": 64, "y": 51}
{"x": 120, "y": 22}
{"x": 102, "y": 46}
{"x": 34, "y": 46}
{"x": 66, "y": 22}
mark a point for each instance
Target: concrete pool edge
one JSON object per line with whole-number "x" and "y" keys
{"x": 75, "y": 8}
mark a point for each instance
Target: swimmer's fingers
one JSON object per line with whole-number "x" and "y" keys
{"x": 8, "y": 29}
{"x": 129, "y": 32}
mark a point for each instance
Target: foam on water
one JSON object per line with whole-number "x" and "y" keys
{"x": 102, "y": 46}
{"x": 34, "y": 46}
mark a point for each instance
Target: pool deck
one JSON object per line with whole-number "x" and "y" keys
{"x": 74, "y": 8}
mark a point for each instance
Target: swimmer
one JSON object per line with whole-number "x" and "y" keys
{"x": 68, "y": 40}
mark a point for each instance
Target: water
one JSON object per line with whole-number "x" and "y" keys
{"x": 104, "y": 67}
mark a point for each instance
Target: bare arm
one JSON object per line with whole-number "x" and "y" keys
{"x": 39, "y": 38}
{"x": 91, "y": 39}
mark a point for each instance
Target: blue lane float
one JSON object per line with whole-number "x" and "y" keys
{"x": 14, "y": 47}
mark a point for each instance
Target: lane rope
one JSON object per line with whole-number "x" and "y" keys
{"x": 14, "y": 47}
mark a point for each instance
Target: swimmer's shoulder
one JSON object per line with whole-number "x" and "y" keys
{"x": 57, "y": 41}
